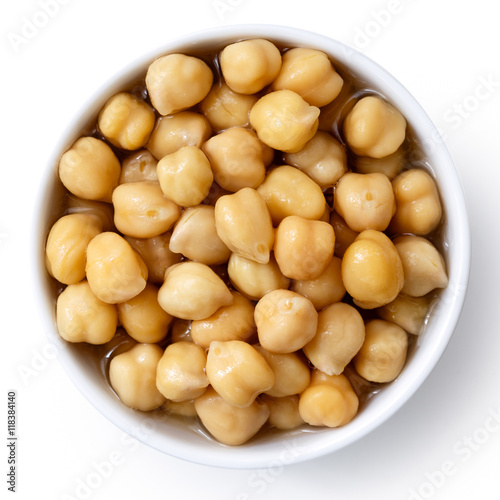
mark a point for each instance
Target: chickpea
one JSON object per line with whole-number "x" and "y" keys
{"x": 176, "y": 82}
{"x": 139, "y": 166}
{"x": 407, "y": 312}
{"x": 372, "y": 271}
{"x": 101, "y": 209}
{"x": 284, "y": 412}
{"x": 232, "y": 322}
{"x": 365, "y": 201}
{"x": 423, "y": 266}
{"x": 180, "y": 375}
{"x": 126, "y": 121}
{"x": 185, "y": 176}
{"x": 180, "y": 330}
{"x": 227, "y": 423}
{"x": 142, "y": 210}
{"x": 132, "y": 376}
{"x": 82, "y": 317}
{"x": 310, "y": 73}
{"x": 286, "y": 321}
{"x": 66, "y": 246}
{"x": 303, "y": 248}
{"x": 339, "y": 336}
{"x": 374, "y": 128}
{"x": 418, "y": 207}
{"x": 192, "y": 290}
{"x": 344, "y": 235}
{"x": 90, "y": 169}
{"x": 115, "y": 272}
{"x": 284, "y": 121}
{"x": 250, "y": 65}
{"x": 244, "y": 224}
{"x": 181, "y": 408}
{"x": 383, "y": 353}
{"x": 288, "y": 191}
{"x": 389, "y": 165}
{"x": 143, "y": 318}
{"x": 323, "y": 159}
{"x": 236, "y": 156}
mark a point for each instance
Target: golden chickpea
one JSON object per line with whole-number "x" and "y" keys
{"x": 181, "y": 408}
{"x": 372, "y": 271}
{"x": 407, "y": 312}
{"x": 139, "y": 166}
{"x": 66, "y": 246}
{"x": 132, "y": 376}
{"x": 250, "y": 65}
{"x": 90, "y": 169}
{"x": 176, "y": 82}
{"x": 286, "y": 321}
{"x": 103, "y": 210}
{"x": 180, "y": 330}
{"x": 180, "y": 375}
{"x": 303, "y": 248}
{"x": 374, "y": 128}
{"x": 365, "y": 201}
{"x": 383, "y": 353}
{"x": 310, "y": 73}
{"x": 344, "y": 235}
{"x": 284, "y": 412}
{"x": 389, "y": 165}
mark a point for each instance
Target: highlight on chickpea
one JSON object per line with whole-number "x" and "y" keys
{"x": 245, "y": 242}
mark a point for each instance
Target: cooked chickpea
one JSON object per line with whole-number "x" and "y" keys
{"x": 90, "y": 169}
{"x": 66, "y": 246}
{"x": 180, "y": 330}
{"x": 389, "y": 165}
{"x": 176, "y": 82}
{"x": 374, "y": 128}
{"x": 139, "y": 166}
{"x": 250, "y": 65}
{"x": 185, "y": 176}
{"x": 192, "y": 290}
{"x": 372, "y": 271}
{"x": 339, "y": 336}
{"x": 115, "y": 272}
{"x": 132, "y": 376}
{"x": 286, "y": 321}
{"x": 365, "y": 201}
{"x": 284, "y": 411}
{"x": 181, "y": 408}
{"x": 383, "y": 353}
{"x": 344, "y": 235}
{"x": 142, "y": 210}
{"x": 303, "y": 247}
{"x": 100, "y": 209}
{"x": 180, "y": 375}
{"x": 406, "y": 311}
{"x": 244, "y": 224}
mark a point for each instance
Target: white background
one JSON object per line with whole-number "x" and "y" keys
{"x": 443, "y": 444}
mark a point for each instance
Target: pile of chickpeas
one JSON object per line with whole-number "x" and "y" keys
{"x": 253, "y": 228}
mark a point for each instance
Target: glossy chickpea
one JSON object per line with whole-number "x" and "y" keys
{"x": 344, "y": 235}
{"x": 101, "y": 209}
{"x": 390, "y": 165}
{"x": 407, "y": 312}
{"x": 284, "y": 411}
{"x": 139, "y": 166}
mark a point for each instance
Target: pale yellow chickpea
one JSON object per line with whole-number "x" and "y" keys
{"x": 244, "y": 224}
{"x": 142, "y": 210}
{"x": 238, "y": 372}
{"x": 324, "y": 290}
{"x": 418, "y": 207}
{"x": 115, "y": 271}
{"x": 180, "y": 330}
{"x": 180, "y": 375}
{"x": 173, "y": 132}
{"x": 423, "y": 265}
{"x": 303, "y": 247}
{"x": 383, "y": 353}
{"x": 310, "y": 73}
{"x": 176, "y": 82}
{"x": 372, "y": 271}
{"x": 185, "y": 176}
{"x": 126, "y": 121}
{"x": 288, "y": 191}
{"x": 143, "y": 318}
{"x": 406, "y": 311}
{"x": 181, "y": 408}
{"x": 284, "y": 411}
{"x": 284, "y": 121}
{"x": 227, "y": 423}
{"x": 232, "y": 322}
{"x": 390, "y": 165}
{"x": 374, "y": 128}
{"x": 139, "y": 166}
{"x": 101, "y": 209}
{"x": 90, "y": 169}
{"x": 254, "y": 280}
{"x": 82, "y": 317}
{"x": 365, "y": 201}
{"x": 323, "y": 159}
{"x": 192, "y": 290}
{"x": 250, "y": 65}
{"x": 344, "y": 235}
{"x": 286, "y": 321}
{"x": 66, "y": 246}
{"x": 195, "y": 225}
{"x": 236, "y": 156}
{"x": 339, "y": 336}
{"x": 132, "y": 375}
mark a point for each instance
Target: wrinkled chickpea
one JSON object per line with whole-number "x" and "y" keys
{"x": 406, "y": 311}
{"x": 284, "y": 411}
{"x": 139, "y": 166}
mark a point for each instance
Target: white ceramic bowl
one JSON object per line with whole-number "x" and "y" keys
{"x": 175, "y": 437}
